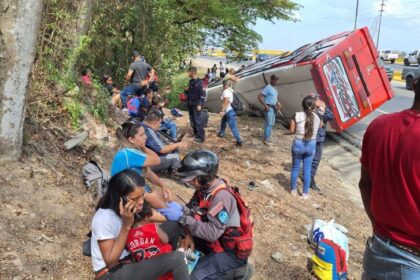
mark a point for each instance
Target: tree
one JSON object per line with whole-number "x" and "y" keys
{"x": 167, "y": 31}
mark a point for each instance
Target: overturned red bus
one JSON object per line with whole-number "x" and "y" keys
{"x": 343, "y": 69}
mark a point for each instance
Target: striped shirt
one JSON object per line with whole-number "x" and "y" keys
{"x": 153, "y": 141}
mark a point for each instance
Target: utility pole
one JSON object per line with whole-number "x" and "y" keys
{"x": 357, "y": 11}
{"x": 380, "y": 22}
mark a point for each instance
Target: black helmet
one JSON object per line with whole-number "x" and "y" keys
{"x": 198, "y": 163}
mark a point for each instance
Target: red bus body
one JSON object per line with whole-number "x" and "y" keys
{"x": 342, "y": 68}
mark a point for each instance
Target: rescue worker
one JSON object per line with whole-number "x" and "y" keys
{"x": 196, "y": 98}
{"x": 217, "y": 218}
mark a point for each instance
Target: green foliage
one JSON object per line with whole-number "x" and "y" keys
{"x": 75, "y": 111}
{"x": 166, "y": 32}
{"x": 102, "y": 34}
{"x": 179, "y": 82}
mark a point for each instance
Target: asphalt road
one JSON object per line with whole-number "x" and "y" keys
{"x": 403, "y": 99}
{"x": 399, "y": 67}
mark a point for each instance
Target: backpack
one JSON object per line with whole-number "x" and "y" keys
{"x": 329, "y": 230}
{"x": 236, "y": 239}
{"x": 93, "y": 173}
{"x": 237, "y": 104}
{"x": 329, "y": 261}
{"x": 133, "y": 106}
{"x": 204, "y": 117}
{"x": 244, "y": 243}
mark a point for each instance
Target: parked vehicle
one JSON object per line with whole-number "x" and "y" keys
{"x": 388, "y": 55}
{"x": 343, "y": 69}
{"x": 412, "y": 58}
{"x": 409, "y": 74}
{"x": 388, "y": 69}
{"x": 262, "y": 57}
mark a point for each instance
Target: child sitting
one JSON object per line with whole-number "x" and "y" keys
{"x": 147, "y": 240}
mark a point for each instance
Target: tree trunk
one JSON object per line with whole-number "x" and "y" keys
{"x": 18, "y": 34}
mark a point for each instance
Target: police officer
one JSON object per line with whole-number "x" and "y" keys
{"x": 325, "y": 115}
{"x": 196, "y": 97}
{"x": 214, "y": 220}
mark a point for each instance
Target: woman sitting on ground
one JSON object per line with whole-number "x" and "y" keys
{"x": 113, "y": 91}
{"x": 135, "y": 155}
{"x": 305, "y": 125}
{"x": 111, "y": 225}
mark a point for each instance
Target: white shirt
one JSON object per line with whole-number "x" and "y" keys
{"x": 105, "y": 225}
{"x": 229, "y": 94}
{"x": 300, "y": 119}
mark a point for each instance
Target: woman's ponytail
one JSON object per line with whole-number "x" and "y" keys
{"x": 308, "y": 104}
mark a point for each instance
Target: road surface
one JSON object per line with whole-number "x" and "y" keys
{"x": 403, "y": 99}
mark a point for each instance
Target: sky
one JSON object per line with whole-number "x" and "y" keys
{"x": 319, "y": 19}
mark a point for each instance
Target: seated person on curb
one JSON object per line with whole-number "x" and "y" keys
{"x": 113, "y": 91}
{"x": 167, "y": 125}
{"x": 111, "y": 228}
{"x": 169, "y": 157}
{"x": 222, "y": 222}
{"x": 135, "y": 155}
{"x": 139, "y": 106}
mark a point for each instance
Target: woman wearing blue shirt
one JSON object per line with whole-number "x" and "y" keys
{"x": 135, "y": 155}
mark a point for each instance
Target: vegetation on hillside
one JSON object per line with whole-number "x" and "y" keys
{"x": 102, "y": 34}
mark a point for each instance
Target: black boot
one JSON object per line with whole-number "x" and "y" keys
{"x": 313, "y": 185}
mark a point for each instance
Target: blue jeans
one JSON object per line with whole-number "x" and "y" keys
{"x": 168, "y": 125}
{"x": 302, "y": 151}
{"x": 230, "y": 118}
{"x": 385, "y": 261}
{"x": 130, "y": 89}
{"x": 270, "y": 119}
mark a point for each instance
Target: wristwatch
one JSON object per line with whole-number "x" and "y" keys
{"x": 182, "y": 220}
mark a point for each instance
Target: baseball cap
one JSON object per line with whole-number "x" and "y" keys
{"x": 135, "y": 53}
{"x": 274, "y": 78}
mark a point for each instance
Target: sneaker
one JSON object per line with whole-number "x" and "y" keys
{"x": 220, "y": 135}
{"x": 305, "y": 196}
{"x": 293, "y": 192}
{"x": 198, "y": 140}
{"x": 238, "y": 144}
{"x": 124, "y": 110}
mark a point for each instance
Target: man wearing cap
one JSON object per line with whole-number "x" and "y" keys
{"x": 325, "y": 115}
{"x": 268, "y": 98}
{"x": 136, "y": 79}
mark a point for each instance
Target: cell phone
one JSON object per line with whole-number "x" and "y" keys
{"x": 137, "y": 216}
{"x": 124, "y": 199}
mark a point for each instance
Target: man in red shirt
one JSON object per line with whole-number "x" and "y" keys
{"x": 390, "y": 189}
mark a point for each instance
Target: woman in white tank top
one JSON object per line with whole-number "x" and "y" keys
{"x": 305, "y": 125}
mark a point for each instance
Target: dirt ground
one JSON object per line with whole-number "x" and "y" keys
{"x": 46, "y": 210}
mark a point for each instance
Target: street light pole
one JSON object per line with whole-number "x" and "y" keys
{"x": 380, "y": 22}
{"x": 357, "y": 11}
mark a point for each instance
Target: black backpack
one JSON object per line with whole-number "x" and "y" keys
{"x": 237, "y": 104}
